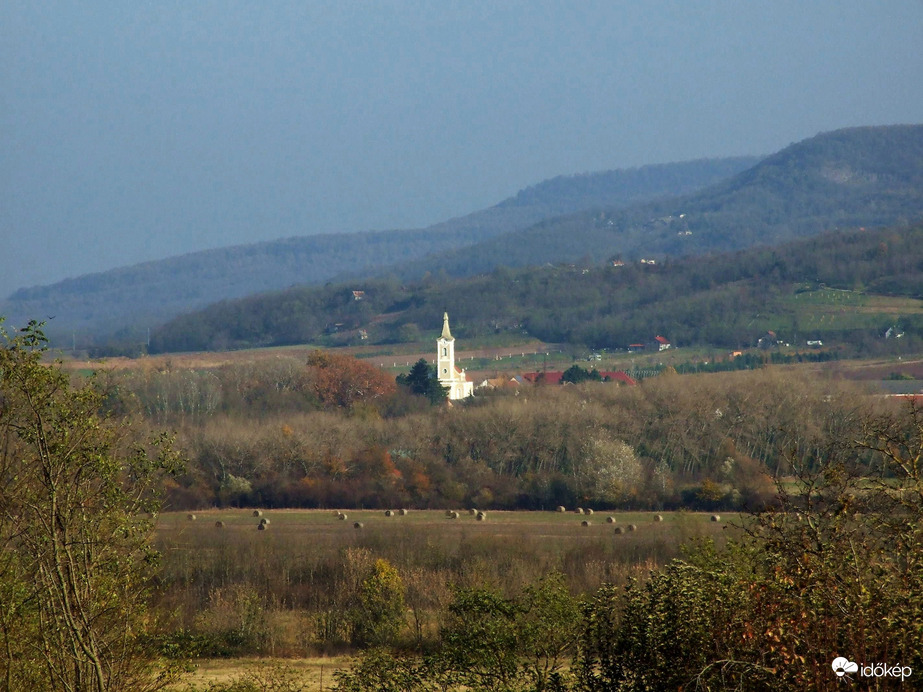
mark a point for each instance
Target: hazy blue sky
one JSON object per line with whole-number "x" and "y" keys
{"x": 137, "y": 130}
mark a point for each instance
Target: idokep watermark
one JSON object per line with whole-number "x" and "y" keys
{"x": 843, "y": 667}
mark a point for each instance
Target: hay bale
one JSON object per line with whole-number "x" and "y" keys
{"x": 341, "y": 516}
{"x": 264, "y": 521}
{"x": 619, "y": 529}
{"x": 389, "y": 513}
{"x": 453, "y": 515}
{"x": 610, "y": 520}
{"x": 588, "y": 511}
{"x": 257, "y": 512}
{"x": 403, "y": 512}
{"x": 190, "y": 517}
{"x": 584, "y": 523}
{"x": 261, "y": 527}
{"x": 481, "y": 516}
{"x": 715, "y": 517}
{"x": 219, "y": 524}
{"x": 579, "y": 510}
{"x": 473, "y": 512}
{"x": 659, "y": 517}
{"x": 632, "y": 527}
{"x": 561, "y": 508}
{"x": 357, "y": 525}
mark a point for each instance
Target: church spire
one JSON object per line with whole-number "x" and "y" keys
{"x": 446, "y": 334}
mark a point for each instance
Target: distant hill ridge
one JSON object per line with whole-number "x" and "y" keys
{"x": 856, "y": 177}
{"x": 124, "y": 301}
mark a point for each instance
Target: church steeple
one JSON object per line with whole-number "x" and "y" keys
{"x": 449, "y": 376}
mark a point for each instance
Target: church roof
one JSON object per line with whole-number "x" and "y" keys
{"x": 446, "y": 334}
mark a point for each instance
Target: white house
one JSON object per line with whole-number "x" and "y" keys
{"x": 450, "y": 376}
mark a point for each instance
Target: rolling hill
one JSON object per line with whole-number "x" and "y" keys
{"x": 858, "y": 177}
{"x": 840, "y": 288}
{"x": 124, "y": 302}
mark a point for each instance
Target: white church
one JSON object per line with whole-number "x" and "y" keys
{"x": 450, "y": 376}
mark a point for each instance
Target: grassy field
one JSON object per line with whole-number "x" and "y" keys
{"x": 430, "y": 537}
{"x": 280, "y": 582}
{"x": 303, "y": 557}
{"x": 314, "y": 673}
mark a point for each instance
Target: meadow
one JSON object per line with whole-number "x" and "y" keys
{"x": 234, "y": 590}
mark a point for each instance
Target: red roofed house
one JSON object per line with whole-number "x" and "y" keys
{"x": 544, "y": 377}
{"x": 662, "y": 343}
{"x": 619, "y": 376}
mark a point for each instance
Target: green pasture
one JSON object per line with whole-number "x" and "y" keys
{"x": 832, "y": 309}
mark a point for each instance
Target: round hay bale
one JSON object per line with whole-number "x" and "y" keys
{"x": 403, "y": 512}
{"x": 264, "y": 521}
{"x": 619, "y": 529}
{"x": 219, "y": 524}
{"x": 610, "y": 520}
{"x": 658, "y": 517}
{"x": 257, "y": 512}
{"x": 389, "y": 513}
{"x": 561, "y": 508}
{"x": 448, "y": 513}
{"x": 715, "y": 517}
{"x": 588, "y": 511}
{"x": 584, "y": 523}
{"x": 261, "y": 527}
{"x": 579, "y": 510}
{"x": 453, "y": 515}
{"x": 357, "y": 525}
{"x": 473, "y": 512}
{"x": 341, "y": 516}
{"x": 481, "y": 516}
{"x": 190, "y": 517}
{"x": 632, "y": 527}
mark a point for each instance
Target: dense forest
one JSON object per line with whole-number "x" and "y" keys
{"x": 126, "y": 300}
{"x": 825, "y": 289}
{"x": 336, "y": 432}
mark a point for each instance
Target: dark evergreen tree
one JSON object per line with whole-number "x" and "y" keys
{"x": 422, "y": 380}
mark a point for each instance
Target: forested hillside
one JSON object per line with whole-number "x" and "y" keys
{"x": 126, "y": 301}
{"x": 829, "y": 287}
{"x": 858, "y": 177}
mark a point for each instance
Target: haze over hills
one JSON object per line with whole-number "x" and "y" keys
{"x": 857, "y": 177}
{"x": 126, "y": 301}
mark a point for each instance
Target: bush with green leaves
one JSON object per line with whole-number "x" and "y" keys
{"x": 76, "y": 562}
{"x": 378, "y": 616}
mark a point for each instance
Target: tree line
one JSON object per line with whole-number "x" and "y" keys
{"x": 725, "y": 301}
{"x": 334, "y": 431}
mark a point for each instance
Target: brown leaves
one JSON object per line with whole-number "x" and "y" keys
{"x": 344, "y": 381}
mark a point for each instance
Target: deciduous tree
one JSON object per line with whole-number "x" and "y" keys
{"x": 75, "y": 559}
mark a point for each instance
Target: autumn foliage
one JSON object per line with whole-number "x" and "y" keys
{"x": 344, "y": 381}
